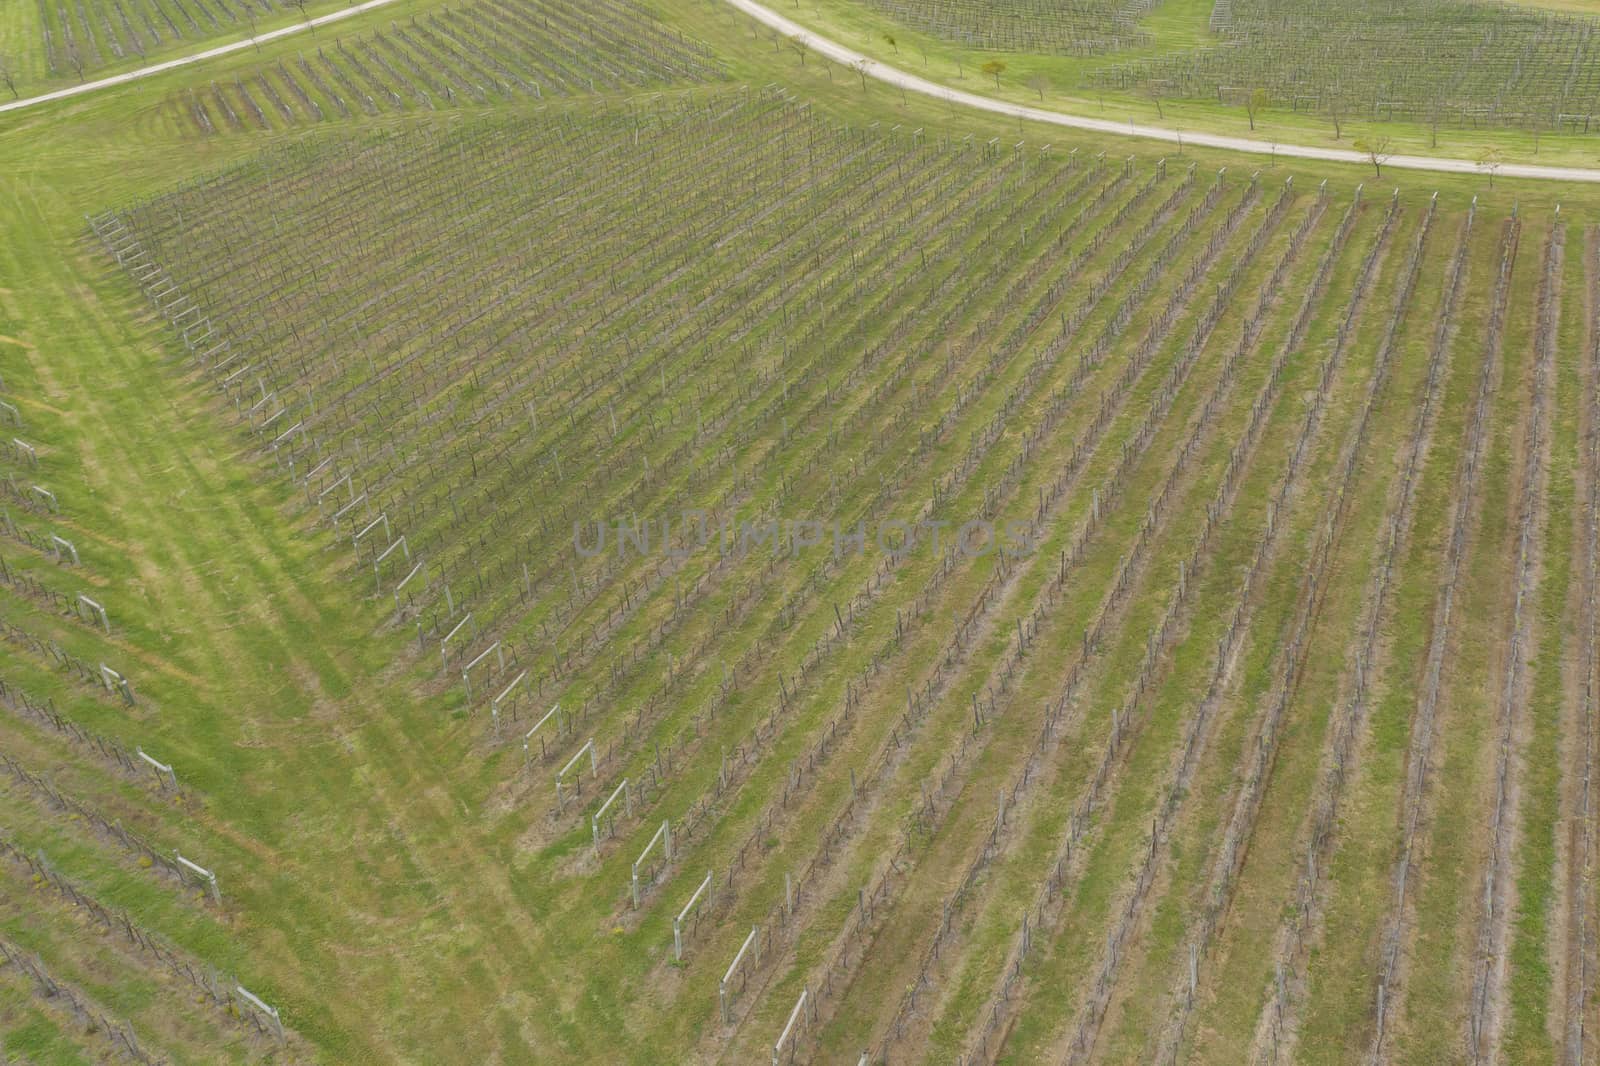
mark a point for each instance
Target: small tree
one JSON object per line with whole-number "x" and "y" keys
{"x": 75, "y": 59}
{"x": 1255, "y": 103}
{"x": 1490, "y": 160}
{"x": 1153, "y": 90}
{"x": 889, "y": 40}
{"x": 8, "y": 73}
{"x": 1336, "y": 111}
{"x": 994, "y": 68}
{"x": 801, "y": 46}
{"x": 250, "y": 20}
{"x": 1039, "y": 83}
{"x": 1377, "y": 149}
{"x": 860, "y": 67}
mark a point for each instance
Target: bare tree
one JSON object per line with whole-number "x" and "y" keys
{"x": 75, "y": 59}
{"x": 1377, "y": 148}
{"x": 994, "y": 68}
{"x": 1336, "y": 112}
{"x": 860, "y": 67}
{"x": 798, "y": 42}
{"x": 1039, "y": 83}
{"x": 8, "y": 73}
{"x": 1153, "y": 90}
{"x": 1490, "y": 159}
{"x": 250, "y": 20}
{"x": 1255, "y": 103}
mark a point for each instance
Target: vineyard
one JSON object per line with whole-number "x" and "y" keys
{"x": 862, "y": 593}
{"x": 484, "y": 53}
{"x": 79, "y": 37}
{"x": 526, "y": 539}
{"x": 1069, "y": 27}
{"x": 1441, "y": 62}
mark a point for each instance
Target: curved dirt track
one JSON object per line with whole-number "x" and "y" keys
{"x": 195, "y": 57}
{"x": 904, "y": 80}
{"x": 911, "y": 83}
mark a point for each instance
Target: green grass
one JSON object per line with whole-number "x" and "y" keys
{"x": 1060, "y": 82}
{"x": 392, "y": 879}
{"x": 1530, "y": 1036}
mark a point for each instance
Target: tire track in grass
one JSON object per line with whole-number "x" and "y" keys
{"x": 861, "y": 598}
{"x": 1277, "y": 1017}
{"x": 1041, "y": 764}
{"x": 745, "y": 754}
{"x": 999, "y": 1014}
{"x": 885, "y": 880}
{"x": 934, "y": 815}
{"x": 323, "y": 889}
{"x": 978, "y": 204}
{"x": 631, "y": 734}
{"x": 805, "y": 772}
{"x": 182, "y": 585}
{"x": 1032, "y": 380}
{"x": 1550, "y": 741}
{"x": 1388, "y": 986}
{"x": 987, "y": 600}
{"x": 1491, "y": 967}
{"x": 1581, "y": 937}
{"x": 1257, "y": 774}
{"x": 1343, "y": 727}
{"x": 1125, "y": 898}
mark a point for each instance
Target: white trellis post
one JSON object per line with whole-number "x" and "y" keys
{"x": 677, "y": 923}
{"x": 381, "y": 520}
{"x": 599, "y": 815}
{"x": 355, "y": 501}
{"x": 105, "y": 622}
{"x": 270, "y": 1012}
{"x": 527, "y": 738}
{"x": 377, "y": 564}
{"x": 466, "y": 671}
{"x": 418, "y": 568}
{"x": 60, "y": 544}
{"x": 494, "y": 704}
{"x": 664, "y": 833}
{"x": 115, "y": 682}
{"x": 801, "y": 1007}
{"x": 163, "y": 770}
{"x": 444, "y": 645}
{"x": 722, "y": 986}
{"x": 204, "y": 874}
{"x": 588, "y": 747}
